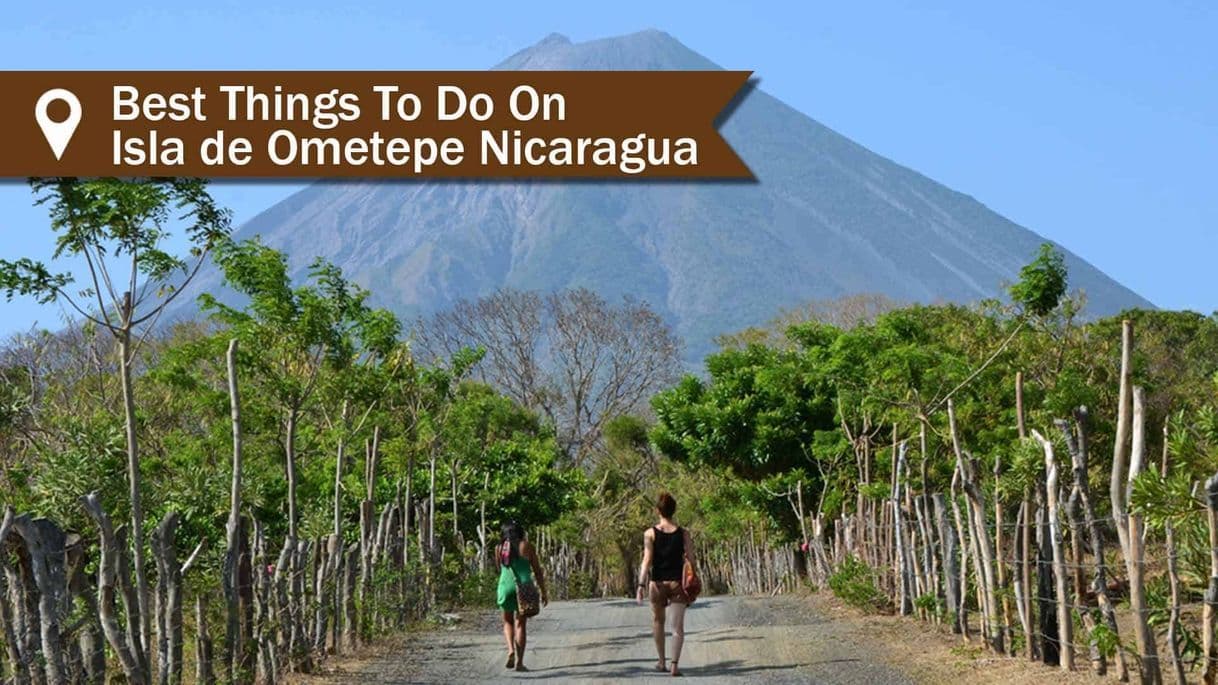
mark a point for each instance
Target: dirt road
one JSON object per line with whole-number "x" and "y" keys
{"x": 728, "y": 640}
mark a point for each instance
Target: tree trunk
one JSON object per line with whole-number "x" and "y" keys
{"x": 483, "y": 533}
{"x": 1173, "y": 624}
{"x": 297, "y": 649}
{"x": 366, "y": 570}
{"x": 371, "y": 462}
{"x": 407, "y": 510}
{"x": 289, "y": 454}
{"x": 1025, "y": 539}
{"x": 142, "y": 618}
{"x": 234, "y": 638}
{"x": 453, "y": 467}
{"x": 431, "y": 510}
{"x": 1000, "y": 560}
{"x": 339, "y": 459}
{"x": 366, "y": 543}
{"x": 1065, "y": 625}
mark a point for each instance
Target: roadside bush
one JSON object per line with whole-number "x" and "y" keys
{"x": 582, "y": 586}
{"x": 854, "y": 583}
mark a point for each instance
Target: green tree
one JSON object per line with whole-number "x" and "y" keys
{"x": 120, "y": 228}
{"x": 756, "y": 414}
{"x": 290, "y": 335}
{"x": 1042, "y": 283}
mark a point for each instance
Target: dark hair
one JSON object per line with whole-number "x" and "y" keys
{"x": 666, "y": 505}
{"x": 513, "y": 533}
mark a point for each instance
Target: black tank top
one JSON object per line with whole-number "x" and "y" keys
{"x": 668, "y": 558}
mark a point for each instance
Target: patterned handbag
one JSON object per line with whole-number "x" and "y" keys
{"x": 690, "y": 582}
{"x": 528, "y": 597}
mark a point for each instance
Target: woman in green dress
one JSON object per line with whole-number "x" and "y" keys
{"x": 517, "y": 563}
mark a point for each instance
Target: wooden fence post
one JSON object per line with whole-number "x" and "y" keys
{"x": 1119, "y": 485}
{"x": 1136, "y": 559}
{"x": 1173, "y": 577}
{"x": 1046, "y": 601}
{"x": 1018, "y": 584}
{"x": 168, "y": 602}
{"x": 264, "y": 606}
{"x": 18, "y": 662}
{"x": 108, "y": 579}
{"x": 1065, "y": 625}
{"x": 1209, "y": 612}
{"x": 44, "y": 545}
{"x": 985, "y": 554}
{"x": 90, "y": 648}
{"x": 904, "y": 589}
{"x": 951, "y": 567}
{"x": 1077, "y": 442}
{"x": 204, "y": 672}
{"x": 350, "y": 574}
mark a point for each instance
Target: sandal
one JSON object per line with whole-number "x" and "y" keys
{"x": 660, "y": 667}
{"x": 511, "y": 660}
{"x": 520, "y": 667}
{"x": 676, "y": 672}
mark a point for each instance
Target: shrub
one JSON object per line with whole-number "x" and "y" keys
{"x": 854, "y": 583}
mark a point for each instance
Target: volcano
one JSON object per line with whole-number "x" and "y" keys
{"x": 825, "y": 218}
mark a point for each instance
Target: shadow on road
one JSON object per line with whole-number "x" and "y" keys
{"x": 729, "y": 638}
{"x": 612, "y": 670}
{"x": 736, "y": 667}
{"x": 618, "y": 669}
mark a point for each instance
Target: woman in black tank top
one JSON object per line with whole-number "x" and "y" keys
{"x": 666, "y": 548}
{"x": 668, "y": 558}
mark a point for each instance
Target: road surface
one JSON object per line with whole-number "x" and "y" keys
{"x": 728, "y": 640}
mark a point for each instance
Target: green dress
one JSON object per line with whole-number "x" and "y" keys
{"x": 506, "y": 596}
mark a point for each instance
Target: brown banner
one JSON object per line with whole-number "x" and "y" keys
{"x": 484, "y": 124}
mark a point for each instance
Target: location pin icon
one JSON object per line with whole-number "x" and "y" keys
{"x": 57, "y": 133}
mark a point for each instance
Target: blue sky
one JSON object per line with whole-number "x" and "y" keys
{"x": 1092, "y": 123}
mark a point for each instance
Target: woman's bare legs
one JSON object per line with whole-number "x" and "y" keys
{"x": 522, "y": 635}
{"x": 657, "y": 629}
{"x": 678, "y": 634}
{"x": 509, "y": 634}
